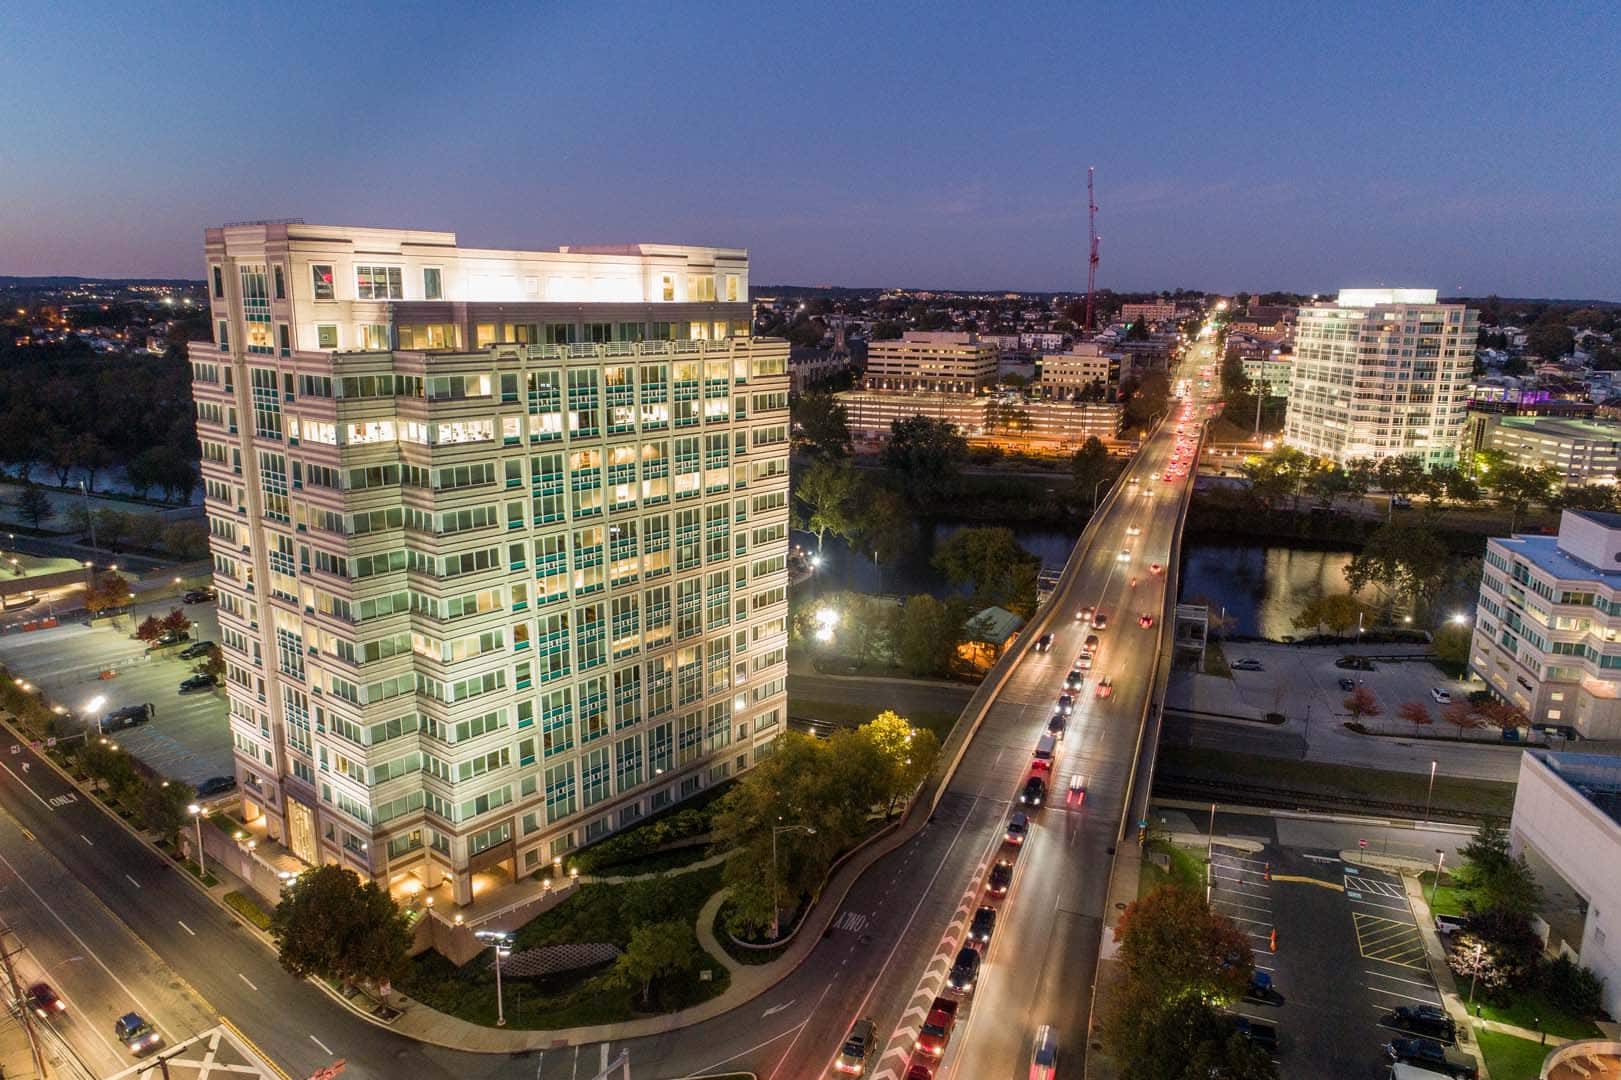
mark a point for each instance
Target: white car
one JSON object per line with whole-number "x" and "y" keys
{"x": 1125, "y": 555}
{"x": 1132, "y": 530}
{"x": 1442, "y": 697}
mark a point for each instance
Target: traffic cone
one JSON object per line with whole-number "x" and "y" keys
{"x": 1267, "y": 874}
{"x": 1274, "y": 939}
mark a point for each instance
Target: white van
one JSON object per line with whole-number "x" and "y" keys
{"x": 1402, "y": 1071}
{"x": 1043, "y": 758}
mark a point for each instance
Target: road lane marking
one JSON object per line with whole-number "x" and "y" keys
{"x": 87, "y": 840}
{"x": 186, "y": 928}
{"x": 29, "y": 789}
{"x": 775, "y": 1009}
{"x": 798, "y": 1031}
{"x": 132, "y": 881}
{"x": 255, "y": 989}
{"x": 321, "y": 1044}
{"x": 28, "y": 834}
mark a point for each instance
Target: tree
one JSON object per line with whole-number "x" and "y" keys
{"x": 1090, "y": 467}
{"x": 186, "y": 539}
{"x": 884, "y": 526}
{"x": 1187, "y": 1039}
{"x": 655, "y": 951}
{"x": 1517, "y": 487}
{"x": 926, "y": 632}
{"x": 1451, "y": 641}
{"x": 925, "y": 457}
{"x": 1339, "y": 612}
{"x": 1456, "y": 484}
{"x": 992, "y": 562}
{"x": 213, "y": 662}
{"x": 112, "y": 526}
{"x": 1148, "y": 396}
{"x": 1400, "y": 476}
{"x": 162, "y": 806}
{"x": 177, "y": 620}
{"x": 150, "y": 629}
{"x": 1171, "y": 941}
{"x": 1409, "y": 560}
{"x": 827, "y": 492}
{"x": 1006, "y": 416}
{"x": 1493, "y": 878}
{"x": 1361, "y": 702}
{"x": 108, "y": 591}
{"x": 1415, "y": 713}
{"x": 1584, "y": 497}
{"x": 908, "y": 752}
{"x": 1461, "y": 715}
{"x": 331, "y": 925}
{"x": 1498, "y": 951}
{"x": 33, "y": 504}
{"x": 822, "y": 425}
{"x": 1550, "y": 340}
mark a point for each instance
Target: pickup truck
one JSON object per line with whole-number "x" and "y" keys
{"x": 937, "y": 1027}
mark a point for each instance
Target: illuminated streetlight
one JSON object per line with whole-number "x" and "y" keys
{"x": 826, "y": 620}
{"x": 197, "y": 813}
{"x": 1460, "y": 618}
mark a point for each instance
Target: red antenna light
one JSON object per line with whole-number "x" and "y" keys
{"x": 1092, "y": 240}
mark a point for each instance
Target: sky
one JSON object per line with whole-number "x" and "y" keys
{"x": 1473, "y": 148}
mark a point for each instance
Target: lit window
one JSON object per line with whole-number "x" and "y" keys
{"x": 379, "y": 283}
{"x": 321, "y": 279}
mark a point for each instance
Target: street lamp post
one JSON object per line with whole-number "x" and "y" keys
{"x": 89, "y": 517}
{"x": 500, "y": 940}
{"x": 1474, "y": 971}
{"x": 197, "y": 816}
{"x": 1440, "y": 861}
{"x": 1431, "y": 794}
{"x": 776, "y": 908}
{"x": 1095, "y": 487}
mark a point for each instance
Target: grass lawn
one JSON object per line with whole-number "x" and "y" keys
{"x": 850, "y": 714}
{"x": 1509, "y": 1058}
{"x": 1530, "y": 1008}
{"x": 1186, "y": 869}
{"x": 597, "y": 913}
{"x": 1448, "y": 897}
{"x": 1452, "y": 793}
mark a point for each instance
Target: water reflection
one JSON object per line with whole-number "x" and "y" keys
{"x": 911, "y": 572}
{"x": 1262, "y": 588}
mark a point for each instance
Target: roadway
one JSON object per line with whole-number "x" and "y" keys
{"x": 116, "y": 928}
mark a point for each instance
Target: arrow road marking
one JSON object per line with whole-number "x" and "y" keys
{"x": 775, "y": 1009}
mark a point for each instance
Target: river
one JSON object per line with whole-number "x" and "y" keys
{"x": 913, "y": 572}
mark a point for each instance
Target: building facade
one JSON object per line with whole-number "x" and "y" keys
{"x": 932, "y": 362}
{"x": 1547, "y": 634}
{"x": 1086, "y": 363}
{"x": 1381, "y": 373}
{"x": 1152, "y": 310}
{"x": 1582, "y": 451}
{"x": 499, "y": 539}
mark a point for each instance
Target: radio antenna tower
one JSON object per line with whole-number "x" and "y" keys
{"x": 1092, "y": 258}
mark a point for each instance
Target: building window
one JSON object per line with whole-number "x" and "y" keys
{"x": 667, "y": 287}
{"x": 321, "y": 279}
{"x": 219, "y": 283}
{"x": 281, "y": 284}
{"x": 285, "y": 338}
{"x": 432, "y": 288}
{"x": 732, "y": 287}
{"x": 326, "y": 336}
{"x": 373, "y": 336}
{"x": 222, "y": 334}
{"x": 379, "y": 283}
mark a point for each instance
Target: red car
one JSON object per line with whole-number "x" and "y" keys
{"x": 1105, "y": 687}
{"x": 921, "y": 1067}
{"x": 1154, "y": 568}
{"x": 937, "y": 1027}
{"x": 1145, "y": 621}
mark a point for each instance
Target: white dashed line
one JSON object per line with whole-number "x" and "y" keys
{"x": 186, "y": 928}
{"x": 132, "y": 881}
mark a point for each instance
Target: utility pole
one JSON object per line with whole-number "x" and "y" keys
{"x": 22, "y": 1006}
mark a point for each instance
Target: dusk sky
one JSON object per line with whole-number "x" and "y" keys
{"x": 1242, "y": 146}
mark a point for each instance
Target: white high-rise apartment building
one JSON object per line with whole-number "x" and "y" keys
{"x": 499, "y": 539}
{"x": 1381, "y": 373}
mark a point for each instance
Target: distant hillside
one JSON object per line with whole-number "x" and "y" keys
{"x": 8, "y": 281}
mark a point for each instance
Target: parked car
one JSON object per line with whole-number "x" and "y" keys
{"x": 168, "y": 637}
{"x": 135, "y": 1033}
{"x": 1355, "y": 663}
{"x": 198, "y": 596}
{"x": 1441, "y": 695}
{"x": 1262, "y": 991}
{"x": 200, "y": 681}
{"x": 196, "y": 649}
{"x": 1434, "y": 1056}
{"x": 1347, "y": 685}
{"x": 937, "y": 1027}
{"x": 1000, "y": 878}
{"x": 856, "y": 1053}
{"x": 1018, "y": 827}
{"x": 1430, "y": 1021}
{"x": 1450, "y": 924}
{"x": 216, "y": 785}
{"x": 1261, "y": 1034}
{"x": 44, "y": 1001}
{"x": 983, "y": 926}
{"x": 965, "y": 972}
{"x": 1044, "y": 643}
{"x": 921, "y": 1067}
{"x": 1034, "y": 790}
{"x": 126, "y": 717}
{"x": 1247, "y": 663}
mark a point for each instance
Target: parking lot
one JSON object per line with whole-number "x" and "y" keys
{"x": 1348, "y": 949}
{"x": 187, "y": 738}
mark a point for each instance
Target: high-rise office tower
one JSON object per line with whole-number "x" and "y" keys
{"x": 499, "y": 538}
{"x": 1381, "y": 373}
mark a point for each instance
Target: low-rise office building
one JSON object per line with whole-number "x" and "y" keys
{"x": 1087, "y": 363}
{"x": 1583, "y": 451}
{"x": 1547, "y": 634}
{"x": 1567, "y": 824}
{"x": 1152, "y": 310}
{"x": 869, "y": 413}
{"x": 933, "y": 362}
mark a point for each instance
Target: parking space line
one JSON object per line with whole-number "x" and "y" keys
{"x": 1428, "y": 985}
{"x": 1245, "y": 907}
{"x": 1406, "y": 997}
{"x": 1257, "y": 922}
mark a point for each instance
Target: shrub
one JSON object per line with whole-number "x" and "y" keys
{"x": 246, "y": 907}
{"x": 1574, "y": 988}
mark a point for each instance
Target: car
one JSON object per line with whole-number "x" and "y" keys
{"x": 1155, "y": 568}
{"x": 1044, "y": 1054}
{"x": 1034, "y": 790}
{"x": 1441, "y": 696}
{"x": 1170, "y": 477}
{"x": 1083, "y": 662}
{"x": 1105, "y": 687}
{"x": 1130, "y": 480}
{"x": 127, "y": 717}
{"x": 1066, "y": 704}
{"x": 965, "y": 972}
{"x": 198, "y": 596}
{"x": 1430, "y": 1021}
{"x": 1044, "y": 643}
{"x": 1077, "y": 789}
{"x": 1073, "y": 680}
{"x": 1090, "y": 645}
{"x": 857, "y": 1050}
{"x": 1450, "y": 924}
{"x": 1124, "y": 556}
{"x": 1434, "y": 1056}
{"x": 196, "y": 649}
{"x": 1347, "y": 685}
{"x": 1084, "y": 615}
{"x": 1018, "y": 827}
{"x": 937, "y": 1027}
{"x": 1153, "y": 476}
{"x": 1145, "y": 621}
{"x": 1100, "y": 621}
{"x": 921, "y": 1067}
{"x": 1000, "y": 877}
{"x": 1132, "y": 530}
{"x": 200, "y": 681}
{"x": 1261, "y": 991}
{"x": 168, "y": 637}
{"x": 44, "y": 1001}
{"x": 1247, "y": 663}
{"x": 216, "y": 785}
{"x": 135, "y": 1033}
{"x": 1258, "y": 1032}
{"x": 1057, "y": 725}
{"x": 1355, "y": 663}
{"x": 983, "y": 926}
